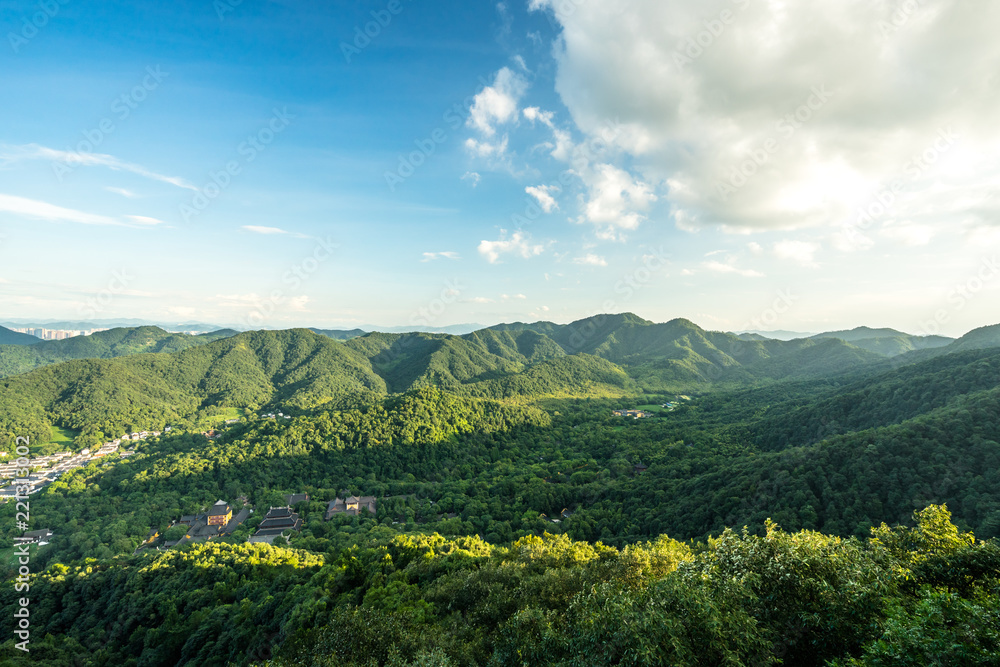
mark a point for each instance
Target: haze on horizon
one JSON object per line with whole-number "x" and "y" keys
{"x": 801, "y": 166}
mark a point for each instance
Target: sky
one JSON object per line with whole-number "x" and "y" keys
{"x": 745, "y": 164}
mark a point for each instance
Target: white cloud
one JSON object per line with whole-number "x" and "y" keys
{"x": 692, "y": 115}
{"x": 534, "y": 114}
{"x": 591, "y": 260}
{"x": 508, "y": 297}
{"x": 69, "y": 158}
{"x": 518, "y": 244}
{"x": 908, "y": 233}
{"x": 485, "y": 149}
{"x": 123, "y": 192}
{"x": 480, "y": 299}
{"x": 31, "y": 208}
{"x": 144, "y": 220}
{"x": 543, "y": 194}
{"x": 802, "y": 252}
{"x": 497, "y": 104}
{"x": 473, "y": 177}
{"x": 719, "y": 267}
{"x": 431, "y": 256}
{"x": 298, "y": 303}
{"x": 259, "y": 229}
{"x": 615, "y": 200}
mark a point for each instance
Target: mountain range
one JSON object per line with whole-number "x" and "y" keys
{"x": 146, "y": 377}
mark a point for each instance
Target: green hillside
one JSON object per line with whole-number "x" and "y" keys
{"x": 887, "y": 342}
{"x": 8, "y": 337}
{"x": 100, "y": 345}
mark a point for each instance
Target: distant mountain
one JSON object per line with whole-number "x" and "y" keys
{"x": 681, "y": 351}
{"x": 752, "y": 336}
{"x": 115, "y": 387}
{"x": 15, "y": 359}
{"x": 339, "y": 334}
{"x": 978, "y": 339}
{"x": 454, "y": 329}
{"x": 86, "y": 325}
{"x": 778, "y": 334}
{"x": 8, "y": 337}
{"x": 298, "y": 369}
{"x": 887, "y": 342}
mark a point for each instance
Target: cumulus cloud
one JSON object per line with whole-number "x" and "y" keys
{"x": 591, "y": 259}
{"x": 543, "y": 195}
{"x": 534, "y": 114}
{"x": 615, "y": 200}
{"x": 518, "y": 244}
{"x": 802, "y": 252}
{"x": 908, "y": 233}
{"x": 497, "y": 104}
{"x": 487, "y": 149}
{"x": 473, "y": 177}
{"x": 792, "y": 115}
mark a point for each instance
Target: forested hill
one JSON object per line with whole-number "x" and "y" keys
{"x": 887, "y": 342}
{"x": 8, "y": 337}
{"x": 295, "y": 369}
{"x": 15, "y": 359}
{"x": 604, "y": 356}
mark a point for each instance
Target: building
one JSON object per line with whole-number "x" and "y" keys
{"x": 634, "y": 414}
{"x": 220, "y": 514}
{"x": 277, "y": 521}
{"x": 39, "y": 537}
{"x": 296, "y": 498}
{"x": 351, "y": 506}
{"x": 281, "y": 517}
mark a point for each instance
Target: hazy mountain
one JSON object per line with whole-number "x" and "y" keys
{"x": 887, "y": 342}
{"x": 108, "y": 344}
{"x": 339, "y": 334}
{"x": 778, "y": 334}
{"x": 8, "y": 337}
{"x": 454, "y": 329}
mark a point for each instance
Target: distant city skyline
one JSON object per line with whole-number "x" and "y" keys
{"x": 386, "y": 164}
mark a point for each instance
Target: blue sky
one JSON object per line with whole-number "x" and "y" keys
{"x": 260, "y": 164}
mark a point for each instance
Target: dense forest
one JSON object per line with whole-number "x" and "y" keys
{"x": 744, "y": 521}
